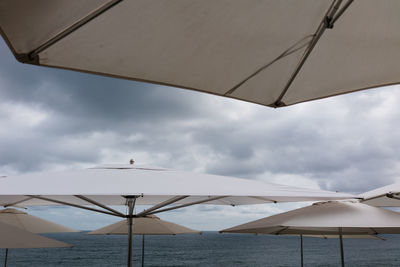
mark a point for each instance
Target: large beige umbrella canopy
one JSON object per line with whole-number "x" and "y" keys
{"x": 269, "y": 52}
{"x": 148, "y": 225}
{"x": 327, "y": 218}
{"x": 113, "y": 185}
{"x": 130, "y": 185}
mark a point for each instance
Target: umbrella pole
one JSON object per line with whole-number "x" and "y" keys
{"x": 131, "y": 204}
{"x": 142, "y": 250}
{"x": 301, "y": 250}
{"x": 5, "y": 258}
{"x": 341, "y": 245}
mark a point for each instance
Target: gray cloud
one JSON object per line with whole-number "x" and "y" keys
{"x": 59, "y": 119}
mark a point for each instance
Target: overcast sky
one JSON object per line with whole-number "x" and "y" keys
{"x": 56, "y": 120}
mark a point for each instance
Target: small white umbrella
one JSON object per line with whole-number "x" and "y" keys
{"x": 33, "y": 224}
{"x": 130, "y": 185}
{"x": 148, "y": 225}
{"x": 15, "y": 237}
{"x": 331, "y": 218}
{"x": 386, "y": 196}
{"x": 270, "y": 52}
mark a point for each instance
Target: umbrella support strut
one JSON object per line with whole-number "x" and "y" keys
{"x": 330, "y": 18}
{"x": 341, "y": 245}
{"x": 389, "y": 195}
{"x": 91, "y": 201}
{"x": 131, "y": 204}
{"x": 186, "y": 205}
{"x": 75, "y": 205}
{"x": 33, "y": 55}
{"x": 163, "y": 204}
{"x": 301, "y": 250}
{"x": 17, "y": 202}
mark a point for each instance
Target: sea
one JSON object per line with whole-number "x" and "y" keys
{"x": 208, "y": 249}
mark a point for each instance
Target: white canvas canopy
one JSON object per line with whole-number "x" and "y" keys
{"x": 269, "y": 52}
{"x": 386, "y": 196}
{"x": 333, "y": 218}
{"x": 111, "y": 185}
{"x": 325, "y": 218}
{"x": 129, "y": 185}
{"x": 147, "y": 225}
{"x": 15, "y": 237}
{"x": 28, "y": 224}
{"x": 31, "y": 223}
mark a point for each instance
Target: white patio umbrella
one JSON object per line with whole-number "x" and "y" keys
{"x": 386, "y": 196}
{"x": 16, "y": 237}
{"x": 130, "y": 185}
{"x": 269, "y": 52}
{"x": 114, "y": 184}
{"x": 333, "y": 218}
{"x": 33, "y": 224}
{"x": 148, "y": 225}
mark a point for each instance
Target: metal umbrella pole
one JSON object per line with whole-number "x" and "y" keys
{"x": 341, "y": 245}
{"x": 142, "y": 250}
{"x": 301, "y": 250}
{"x": 5, "y": 258}
{"x": 131, "y": 204}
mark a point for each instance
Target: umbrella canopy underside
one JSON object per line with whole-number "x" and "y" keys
{"x": 247, "y": 50}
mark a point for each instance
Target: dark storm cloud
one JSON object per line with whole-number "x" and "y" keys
{"x": 89, "y": 96}
{"x": 81, "y": 107}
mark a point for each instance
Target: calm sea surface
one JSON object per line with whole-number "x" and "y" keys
{"x": 209, "y": 249}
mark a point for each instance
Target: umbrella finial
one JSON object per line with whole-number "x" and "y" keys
{"x": 132, "y": 161}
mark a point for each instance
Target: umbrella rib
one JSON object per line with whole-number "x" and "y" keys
{"x": 32, "y": 57}
{"x": 373, "y": 229}
{"x": 99, "y": 205}
{"x": 292, "y": 49}
{"x": 326, "y": 23}
{"x": 391, "y": 195}
{"x": 186, "y": 205}
{"x": 17, "y": 202}
{"x": 227, "y": 202}
{"x": 160, "y": 205}
{"x": 341, "y": 11}
{"x": 388, "y": 195}
{"x": 281, "y": 230}
{"x": 75, "y": 205}
{"x": 267, "y": 199}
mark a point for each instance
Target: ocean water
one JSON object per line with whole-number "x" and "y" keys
{"x": 209, "y": 249}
